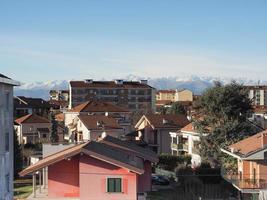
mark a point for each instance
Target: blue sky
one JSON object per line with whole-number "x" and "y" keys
{"x": 60, "y": 39}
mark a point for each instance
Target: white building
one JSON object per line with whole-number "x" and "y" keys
{"x": 186, "y": 141}
{"x": 6, "y": 137}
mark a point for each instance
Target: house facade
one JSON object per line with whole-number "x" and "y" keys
{"x": 250, "y": 176}
{"x": 258, "y": 94}
{"x": 90, "y": 127}
{"x": 174, "y": 95}
{"x": 27, "y": 105}
{"x": 186, "y": 141}
{"x": 118, "y": 169}
{"x": 97, "y": 108}
{"x": 6, "y": 137}
{"x": 33, "y": 129}
{"x": 133, "y": 95}
{"x": 154, "y": 129}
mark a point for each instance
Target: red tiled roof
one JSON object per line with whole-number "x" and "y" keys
{"x": 109, "y": 84}
{"x": 98, "y": 106}
{"x": 189, "y": 128}
{"x": 106, "y": 152}
{"x": 29, "y": 102}
{"x": 144, "y": 153}
{"x": 250, "y": 144}
{"x": 106, "y": 122}
{"x": 60, "y": 103}
{"x": 60, "y": 117}
{"x": 166, "y": 91}
{"x": 170, "y": 120}
{"x": 31, "y": 118}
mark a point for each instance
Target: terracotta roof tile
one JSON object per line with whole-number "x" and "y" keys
{"x": 145, "y": 153}
{"x": 60, "y": 117}
{"x": 166, "y": 91}
{"x": 105, "y": 122}
{"x": 106, "y": 152}
{"x": 30, "y": 102}
{"x": 98, "y": 106}
{"x": 31, "y": 118}
{"x": 249, "y": 144}
{"x": 189, "y": 128}
{"x": 167, "y": 121}
{"x": 109, "y": 84}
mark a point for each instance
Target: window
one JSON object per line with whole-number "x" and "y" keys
{"x": 114, "y": 185}
{"x": 44, "y": 135}
{"x": 7, "y": 141}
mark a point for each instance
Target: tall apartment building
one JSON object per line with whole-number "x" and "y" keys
{"x": 134, "y": 95}
{"x": 258, "y": 94}
{"x": 6, "y": 137}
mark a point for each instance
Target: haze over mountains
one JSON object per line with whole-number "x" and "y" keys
{"x": 195, "y": 83}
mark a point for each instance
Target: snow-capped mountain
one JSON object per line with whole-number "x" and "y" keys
{"x": 195, "y": 83}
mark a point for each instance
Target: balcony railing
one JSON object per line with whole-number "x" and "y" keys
{"x": 183, "y": 147}
{"x": 245, "y": 183}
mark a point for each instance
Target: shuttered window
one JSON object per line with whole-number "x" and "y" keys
{"x": 114, "y": 185}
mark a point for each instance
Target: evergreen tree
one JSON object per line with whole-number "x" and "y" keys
{"x": 53, "y": 135}
{"x": 223, "y": 111}
{"x": 18, "y": 158}
{"x": 177, "y": 109}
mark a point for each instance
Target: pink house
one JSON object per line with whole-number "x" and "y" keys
{"x": 105, "y": 169}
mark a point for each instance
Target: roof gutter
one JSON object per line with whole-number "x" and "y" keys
{"x": 231, "y": 154}
{"x": 9, "y": 81}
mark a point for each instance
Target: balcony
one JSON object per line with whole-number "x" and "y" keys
{"x": 245, "y": 183}
{"x": 179, "y": 147}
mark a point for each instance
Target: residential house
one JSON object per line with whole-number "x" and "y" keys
{"x": 33, "y": 129}
{"x": 174, "y": 95}
{"x": 134, "y": 95}
{"x": 166, "y": 95}
{"x": 103, "y": 169}
{"x": 250, "y": 176}
{"x": 121, "y": 114}
{"x": 59, "y": 95}
{"x": 90, "y": 127}
{"x": 184, "y": 95}
{"x": 259, "y": 116}
{"x": 6, "y": 137}
{"x": 186, "y": 141}
{"x": 258, "y": 94}
{"x": 27, "y": 105}
{"x": 154, "y": 129}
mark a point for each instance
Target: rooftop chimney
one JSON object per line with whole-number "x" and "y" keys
{"x": 88, "y": 80}
{"x": 143, "y": 81}
{"x": 164, "y": 121}
{"x": 119, "y": 81}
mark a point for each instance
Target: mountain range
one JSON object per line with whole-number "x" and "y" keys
{"x": 195, "y": 83}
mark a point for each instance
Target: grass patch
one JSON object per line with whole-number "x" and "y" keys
{"x": 22, "y": 191}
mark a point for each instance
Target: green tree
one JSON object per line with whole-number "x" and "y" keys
{"x": 162, "y": 110}
{"x": 176, "y": 108}
{"x": 18, "y": 158}
{"x": 53, "y": 135}
{"x": 223, "y": 111}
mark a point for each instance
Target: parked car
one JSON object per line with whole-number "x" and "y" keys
{"x": 160, "y": 180}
